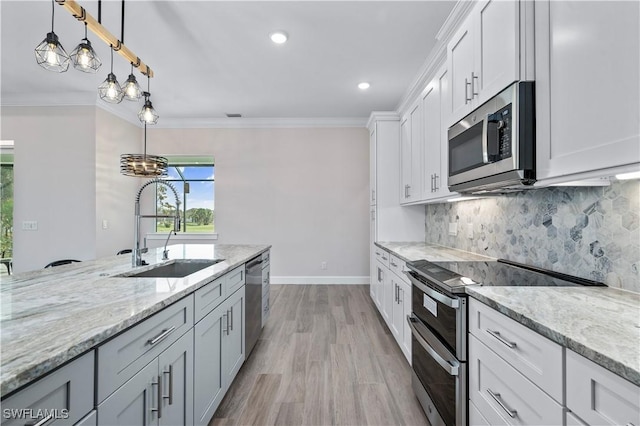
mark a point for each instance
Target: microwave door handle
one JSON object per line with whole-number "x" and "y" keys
{"x": 485, "y": 139}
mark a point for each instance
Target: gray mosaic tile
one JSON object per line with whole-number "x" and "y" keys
{"x": 588, "y": 232}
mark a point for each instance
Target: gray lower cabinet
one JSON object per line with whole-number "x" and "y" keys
{"x": 159, "y": 394}
{"x": 219, "y": 354}
{"x": 62, "y": 397}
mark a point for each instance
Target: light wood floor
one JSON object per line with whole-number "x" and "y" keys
{"x": 325, "y": 357}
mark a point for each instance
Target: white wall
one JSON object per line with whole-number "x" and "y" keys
{"x": 66, "y": 177}
{"x": 115, "y": 193}
{"x": 54, "y": 183}
{"x": 304, "y": 191}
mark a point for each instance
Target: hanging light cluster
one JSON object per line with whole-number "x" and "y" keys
{"x": 143, "y": 165}
{"x": 51, "y": 56}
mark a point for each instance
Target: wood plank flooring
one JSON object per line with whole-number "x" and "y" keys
{"x": 325, "y": 357}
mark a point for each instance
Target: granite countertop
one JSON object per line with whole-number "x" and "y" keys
{"x": 409, "y": 251}
{"x": 600, "y": 323}
{"x": 48, "y": 317}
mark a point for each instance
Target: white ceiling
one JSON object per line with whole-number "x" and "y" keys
{"x": 215, "y": 57}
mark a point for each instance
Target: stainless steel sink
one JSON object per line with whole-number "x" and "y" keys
{"x": 178, "y": 268}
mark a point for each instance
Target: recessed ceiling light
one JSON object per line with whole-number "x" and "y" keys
{"x": 364, "y": 85}
{"x": 279, "y": 37}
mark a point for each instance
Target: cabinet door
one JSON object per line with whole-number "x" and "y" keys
{"x": 460, "y": 57}
{"x": 176, "y": 370}
{"x": 587, "y": 85}
{"x": 405, "y": 301}
{"x": 387, "y": 296}
{"x": 432, "y": 140}
{"x": 233, "y": 340}
{"x": 372, "y": 167}
{"x": 396, "y": 311}
{"x": 417, "y": 142}
{"x": 208, "y": 380}
{"x": 136, "y": 402}
{"x": 445, "y": 106}
{"x": 496, "y": 63}
{"x": 405, "y": 159}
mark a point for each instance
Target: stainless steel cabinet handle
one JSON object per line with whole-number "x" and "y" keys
{"x": 473, "y": 86}
{"x": 226, "y": 323}
{"x": 170, "y": 396}
{"x": 43, "y": 421}
{"x": 496, "y": 397}
{"x": 158, "y": 409}
{"x": 430, "y": 344}
{"x": 436, "y": 188}
{"x": 497, "y": 335}
{"x": 467, "y": 99}
{"x": 393, "y": 263}
{"x": 160, "y": 337}
{"x": 452, "y": 303}
{"x": 373, "y": 195}
{"x": 231, "y": 319}
{"x": 395, "y": 292}
{"x": 384, "y": 257}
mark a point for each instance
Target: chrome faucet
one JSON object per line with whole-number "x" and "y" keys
{"x": 136, "y": 258}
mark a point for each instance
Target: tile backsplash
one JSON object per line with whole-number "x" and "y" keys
{"x": 590, "y": 232}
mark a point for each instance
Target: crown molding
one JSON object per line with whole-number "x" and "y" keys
{"x": 382, "y": 116}
{"x": 438, "y": 54}
{"x": 119, "y": 112}
{"x": 260, "y": 123}
{"x": 37, "y": 100}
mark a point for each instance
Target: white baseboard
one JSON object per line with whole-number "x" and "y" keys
{"x": 321, "y": 280}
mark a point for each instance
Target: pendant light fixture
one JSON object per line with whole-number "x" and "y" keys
{"x": 84, "y": 58}
{"x": 110, "y": 89}
{"x": 148, "y": 114}
{"x": 50, "y": 54}
{"x": 131, "y": 88}
{"x": 143, "y": 165}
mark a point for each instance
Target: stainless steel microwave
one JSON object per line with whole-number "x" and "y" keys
{"x": 493, "y": 148}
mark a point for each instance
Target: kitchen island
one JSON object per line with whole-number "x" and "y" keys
{"x": 53, "y": 316}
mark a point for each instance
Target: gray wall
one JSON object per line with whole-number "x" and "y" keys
{"x": 590, "y": 232}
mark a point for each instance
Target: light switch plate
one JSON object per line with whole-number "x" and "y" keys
{"x": 453, "y": 228}
{"x": 29, "y": 225}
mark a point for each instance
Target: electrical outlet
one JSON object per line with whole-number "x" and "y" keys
{"x": 29, "y": 225}
{"x": 470, "y": 231}
{"x": 323, "y": 265}
{"x": 105, "y": 224}
{"x": 453, "y": 228}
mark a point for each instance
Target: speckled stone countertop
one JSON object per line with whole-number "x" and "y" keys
{"x": 48, "y": 317}
{"x": 408, "y": 251}
{"x": 600, "y": 323}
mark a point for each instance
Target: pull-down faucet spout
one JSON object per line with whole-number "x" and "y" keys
{"x": 136, "y": 258}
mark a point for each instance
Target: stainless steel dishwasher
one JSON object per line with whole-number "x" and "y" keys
{"x": 253, "y": 304}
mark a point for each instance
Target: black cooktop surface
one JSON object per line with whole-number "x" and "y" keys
{"x": 456, "y": 275}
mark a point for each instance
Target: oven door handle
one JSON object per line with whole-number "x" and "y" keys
{"x": 429, "y": 343}
{"x": 452, "y": 303}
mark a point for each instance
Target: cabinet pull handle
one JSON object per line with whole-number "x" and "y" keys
{"x": 42, "y": 421}
{"x": 160, "y": 337}
{"x": 170, "y": 373}
{"x": 231, "y": 320}
{"x": 496, "y": 397}
{"x": 158, "y": 410}
{"x": 435, "y": 183}
{"x": 395, "y": 292}
{"x": 497, "y": 335}
{"x": 473, "y": 86}
{"x": 226, "y": 323}
{"x": 393, "y": 263}
{"x": 467, "y": 99}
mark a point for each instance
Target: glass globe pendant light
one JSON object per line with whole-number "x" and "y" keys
{"x": 110, "y": 90}
{"x": 84, "y": 58}
{"x": 131, "y": 88}
{"x": 50, "y": 54}
{"x": 148, "y": 114}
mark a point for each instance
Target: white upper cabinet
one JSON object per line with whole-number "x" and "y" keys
{"x": 483, "y": 55}
{"x": 372, "y": 167}
{"x": 587, "y": 85}
{"x": 411, "y": 160}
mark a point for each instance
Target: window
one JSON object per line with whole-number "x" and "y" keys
{"x": 193, "y": 179}
{"x": 6, "y": 200}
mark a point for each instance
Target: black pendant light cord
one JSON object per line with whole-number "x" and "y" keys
{"x": 53, "y": 11}
{"x": 145, "y": 139}
{"x": 99, "y": 11}
{"x": 111, "y": 46}
{"x": 122, "y": 24}
{"x": 85, "y": 31}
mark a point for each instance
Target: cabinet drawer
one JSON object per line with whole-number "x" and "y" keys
{"x": 121, "y": 358}
{"x": 235, "y": 280}
{"x": 533, "y": 355}
{"x": 382, "y": 256}
{"x": 504, "y": 396}
{"x": 598, "y": 396}
{"x": 208, "y": 297}
{"x": 67, "y": 392}
{"x": 398, "y": 267}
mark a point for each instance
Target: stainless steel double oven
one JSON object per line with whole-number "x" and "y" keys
{"x": 439, "y": 343}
